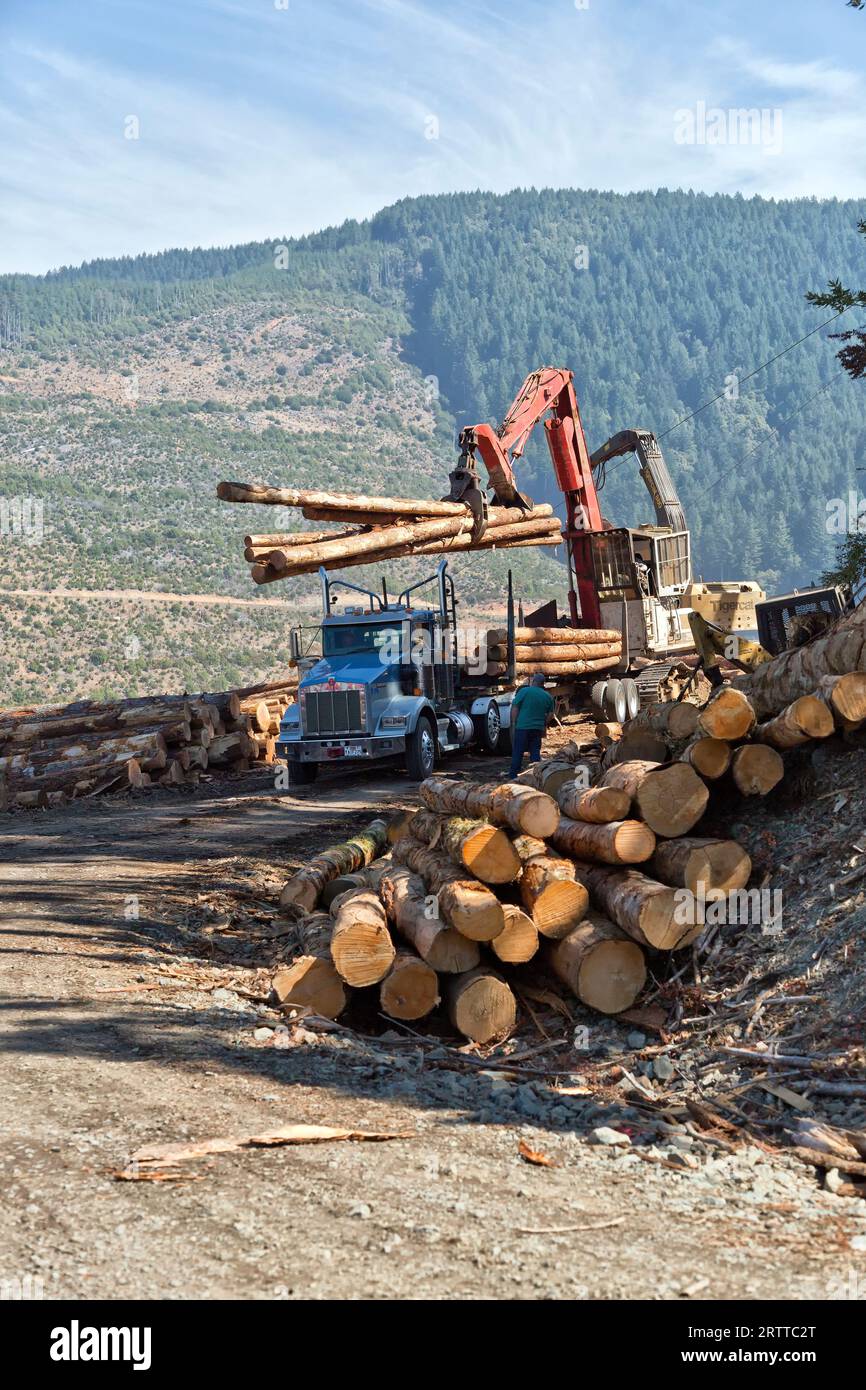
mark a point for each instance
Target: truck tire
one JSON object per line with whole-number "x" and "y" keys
{"x": 632, "y": 697}
{"x": 488, "y": 727}
{"x": 421, "y": 750}
{"x": 615, "y": 706}
{"x": 302, "y": 774}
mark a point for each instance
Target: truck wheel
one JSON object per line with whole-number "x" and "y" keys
{"x": 488, "y": 727}
{"x": 615, "y": 707}
{"x": 421, "y": 750}
{"x": 302, "y": 774}
{"x": 632, "y": 697}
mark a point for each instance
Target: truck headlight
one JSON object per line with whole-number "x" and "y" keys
{"x": 394, "y": 721}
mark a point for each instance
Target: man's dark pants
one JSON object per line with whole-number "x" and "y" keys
{"x": 525, "y": 740}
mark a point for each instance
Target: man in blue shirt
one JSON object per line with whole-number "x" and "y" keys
{"x": 530, "y": 710}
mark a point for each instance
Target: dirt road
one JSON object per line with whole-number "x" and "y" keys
{"x": 118, "y": 1031}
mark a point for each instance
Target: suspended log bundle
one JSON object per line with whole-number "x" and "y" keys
{"x": 79, "y": 749}
{"x": 383, "y": 528}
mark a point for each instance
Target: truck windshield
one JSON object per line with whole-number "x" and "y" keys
{"x": 363, "y": 637}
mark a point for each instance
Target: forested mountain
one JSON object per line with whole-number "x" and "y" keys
{"x": 351, "y": 356}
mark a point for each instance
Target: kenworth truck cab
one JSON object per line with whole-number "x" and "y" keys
{"x": 387, "y": 685}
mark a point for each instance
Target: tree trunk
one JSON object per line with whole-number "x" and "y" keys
{"x": 595, "y": 805}
{"x": 675, "y": 718}
{"x": 639, "y": 745}
{"x": 756, "y": 769}
{"x": 559, "y": 651}
{"x": 649, "y": 912}
{"x": 728, "y": 714}
{"x": 406, "y": 902}
{"x": 302, "y": 891}
{"x": 845, "y": 696}
{"x": 551, "y": 895}
{"x": 807, "y": 718}
{"x": 670, "y": 799}
{"x": 616, "y": 842}
{"x": 257, "y": 711}
{"x": 565, "y": 636}
{"x": 481, "y": 1006}
{"x": 479, "y": 846}
{"x": 711, "y": 757}
{"x": 711, "y": 867}
{"x": 794, "y": 673}
{"x": 310, "y": 980}
{"x": 361, "y": 945}
{"x": 564, "y": 668}
{"x": 549, "y": 775}
{"x": 600, "y": 964}
{"x": 336, "y": 501}
{"x": 410, "y": 989}
{"x": 521, "y": 808}
{"x": 466, "y": 905}
{"x": 518, "y": 940}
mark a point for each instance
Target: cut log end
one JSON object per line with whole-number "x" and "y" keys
{"x": 410, "y": 989}
{"x": 518, "y": 940}
{"x": 481, "y": 1006}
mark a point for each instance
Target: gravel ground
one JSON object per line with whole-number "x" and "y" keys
{"x": 118, "y": 1032}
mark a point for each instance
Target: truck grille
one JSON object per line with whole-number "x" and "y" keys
{"x": 333, "y": 712}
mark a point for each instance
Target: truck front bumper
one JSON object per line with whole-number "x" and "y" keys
{"x": 352, "y": 749}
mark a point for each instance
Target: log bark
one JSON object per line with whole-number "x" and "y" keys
{"x": 674, "y": 718}
{"x": 601, "y": 965}
{"x": 711, "y": 757}
{"x": 521, "y": 808}
{"x": 670, "y": 799}
{"x": 652, "y": 913}
{"x": 310, "y": 980}
{"x": 482, "y": 848}
{"x": 335, "y": 501}
{"x": 361, "y": 945}
{"x": 230, "y": 748}
{"x": 550, "y": 894}
{"x": 566, "y": 636}
{"x": 756, "y": 769}
{"x": 595, "y": 805}
{"x": 845, "y": 696}
{"x": 563, "y": 668}
{"x": 481, "y": 1006}
{"x": 302, "y": 891}
{"x": 465, "y": 904}
{"x": 410, "y": 989}
{"x": 518, "y": 940}
{"x": 114, "y": 721}
{"x": 711, "y": 867}
{"x": 560, "y": 651}
{"x": 549, "y": 776}
{"x": 636, "y": 745}
{"x": 794, "y": 673}
{"x": 728, "y": 714}
{"x": 807, "y": 718}
{"x": 616, "y": 842}
{"x": 405, "y": 898}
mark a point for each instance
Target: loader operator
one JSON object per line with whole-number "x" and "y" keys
{"x": 530, "y": 710}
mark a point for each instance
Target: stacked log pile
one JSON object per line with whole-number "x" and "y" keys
{"x": 375, "y": 529}
{"x": 490, "y": 883}
{"x": 53, "y": 753}
{"x": 554, "y": 651}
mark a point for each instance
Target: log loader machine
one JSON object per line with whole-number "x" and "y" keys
{"x": 637, "y": 580}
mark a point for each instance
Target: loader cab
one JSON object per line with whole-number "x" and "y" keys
{"x": 640, "y": 574}
{"x": 790, "y": 620}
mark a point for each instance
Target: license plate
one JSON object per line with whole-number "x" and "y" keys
{"x": 354, "y": 752}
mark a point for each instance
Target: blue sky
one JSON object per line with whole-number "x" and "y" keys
{"x": 260, "y": 118}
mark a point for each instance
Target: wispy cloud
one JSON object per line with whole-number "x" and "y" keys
{"x": 258, "y": 121}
